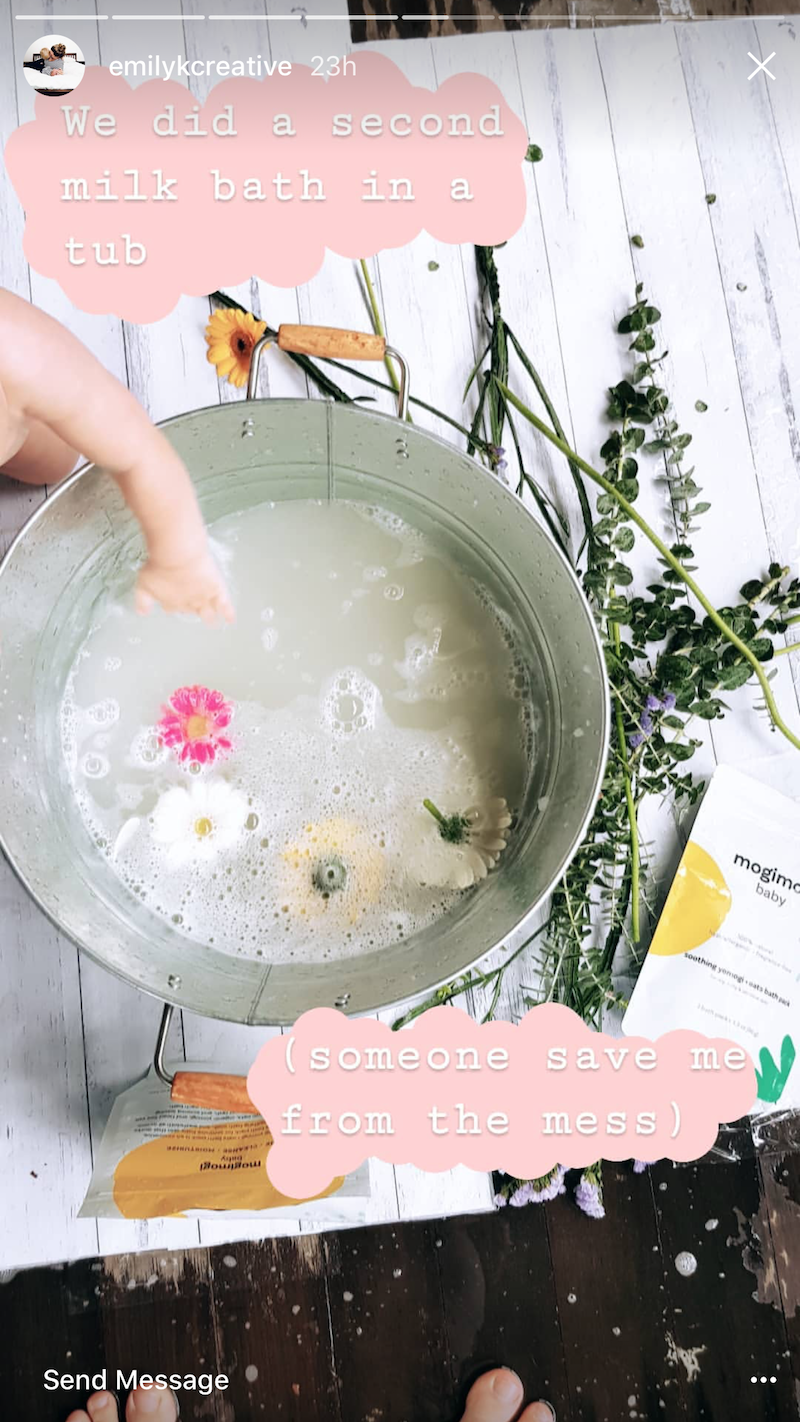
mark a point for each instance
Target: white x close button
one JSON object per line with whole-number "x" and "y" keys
{"x": 761, "y": 65}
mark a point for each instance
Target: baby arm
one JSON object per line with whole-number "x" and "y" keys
{"x": 62, "y": 400}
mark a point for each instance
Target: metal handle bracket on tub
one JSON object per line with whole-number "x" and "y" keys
{"x": 211, "y": 1090}
{"x": 331, "y": 343}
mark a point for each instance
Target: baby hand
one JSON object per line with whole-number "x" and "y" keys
{"x": 195, "y": 586}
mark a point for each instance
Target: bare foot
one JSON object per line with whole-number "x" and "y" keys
{"x": 497, "y": 1397}
{"x": 143, "y": 1405}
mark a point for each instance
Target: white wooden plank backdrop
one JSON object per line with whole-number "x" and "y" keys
{"x": 637, "y": 125}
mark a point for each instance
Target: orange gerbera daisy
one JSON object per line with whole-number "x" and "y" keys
{"x": 231, "y": 336}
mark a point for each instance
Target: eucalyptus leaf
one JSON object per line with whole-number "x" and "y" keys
{"x": 733, "y": 677}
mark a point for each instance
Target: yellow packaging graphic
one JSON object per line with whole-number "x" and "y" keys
{"x": 698, "y": 904}
{"x": 158, "y": 1157}
{"x": 221, "y": 1167}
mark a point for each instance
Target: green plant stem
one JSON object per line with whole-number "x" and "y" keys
{"x": 413, "y": 400}
{"x": 432, "y": 810}
{"x": 613, "y": 635}
{"x": 452, "y": 990}
{"x": 667, "y": 555}
{"x": 543, "y": 502}
{"x": 615, "y": 931}
{"x": 586, "y": 513}
{"x": 501, "y": 335}
{"x": 629, "y": 801}
{"x": 498, "y": 988}
{"x": 787, "y": 622}
{"x": 498, "y": 345}
{"x": 377, "y": 323}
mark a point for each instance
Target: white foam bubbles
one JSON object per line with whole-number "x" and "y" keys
{"x": 95, "y": 766}
{"x": 350, "y": 703}
{"x": 146, "y": 749}
{"x": 337, "y": 738}
{"x": 103, "y": 713}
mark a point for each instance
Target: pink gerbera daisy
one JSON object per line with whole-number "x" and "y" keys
{"x": 193, "y": 723}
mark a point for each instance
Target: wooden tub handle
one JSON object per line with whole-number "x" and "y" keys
{"x": 329, "y": 341}
{"x": 213, "y": 1090}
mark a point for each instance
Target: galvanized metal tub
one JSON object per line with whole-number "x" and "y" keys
{"x": 83, "y": 542}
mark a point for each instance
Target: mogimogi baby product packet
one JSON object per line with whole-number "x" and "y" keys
{"x": 725, "y": 957}
{"x": 159, "y": 1158}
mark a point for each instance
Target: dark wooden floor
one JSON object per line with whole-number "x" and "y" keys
{"x": 391, "y": 1324}
{"x": 451, "y": 17}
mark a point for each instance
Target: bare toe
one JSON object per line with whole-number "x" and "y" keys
{"x": 151, "y": 1403}
{"x": 495, "y": 1397}
{"x": 538, "y": 1412}
{"x": 101, "y": 1407}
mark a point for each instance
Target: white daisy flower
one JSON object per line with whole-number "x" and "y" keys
{"x": 458, "y": 850}
{"x": 196, "y": 823}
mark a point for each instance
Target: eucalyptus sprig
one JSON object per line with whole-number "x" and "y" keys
{"x": 752, "y": 652}
{"x": 669, "y": 440}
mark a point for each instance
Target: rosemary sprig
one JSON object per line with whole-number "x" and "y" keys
{"x": 492, "y": 409}
{"x": 476, "y": 979}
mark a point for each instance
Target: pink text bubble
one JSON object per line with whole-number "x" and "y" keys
{"x": 136, "y": 196}
{"x": 521, "y": 1098}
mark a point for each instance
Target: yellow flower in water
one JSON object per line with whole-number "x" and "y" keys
{"x": 231, "y": 336}
{"x": 333, "y": 866}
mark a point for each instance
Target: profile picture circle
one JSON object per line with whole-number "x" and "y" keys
{"x": 54, "y": 64}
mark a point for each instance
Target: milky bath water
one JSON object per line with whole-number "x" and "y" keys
{"x": 364, "y": 674}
